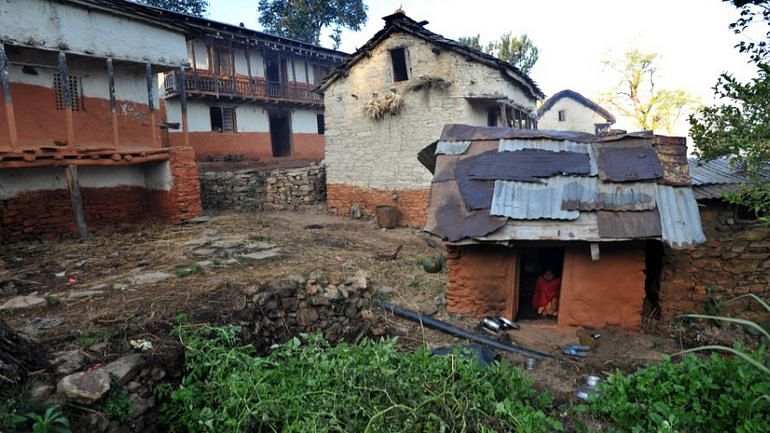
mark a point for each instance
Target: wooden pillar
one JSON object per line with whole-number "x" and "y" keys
{"x": 231, "y": 51}
{"x": 5, "y": 84}
{"x": 151, "y": 102}
{"x": 183, "y": 103}
{"x": 194, "y": 63}
{"x": 73, "y": 184}
{"x": 248, "y": 69}
{"x": 504, "y": 115}
{"x": 64, "y": 80}
{"x": 113, "y": 104}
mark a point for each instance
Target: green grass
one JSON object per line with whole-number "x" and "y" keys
{"x": 306, "y": 385}
{"x": 88, "y": 339}
{"x": 186, "y": 271}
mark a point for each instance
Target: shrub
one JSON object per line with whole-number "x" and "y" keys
{"x": 308, "y": 385}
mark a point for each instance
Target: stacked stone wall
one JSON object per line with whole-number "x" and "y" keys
{"x": 255, "y": 189}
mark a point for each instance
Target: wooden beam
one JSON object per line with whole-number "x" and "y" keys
{"x": 64, "y": 80}
{"x": 5, "y": 84}
{"x": 113, "y": 104}
{"x": 73, "y": 184}
{"x": 594, "y": 251}
{"x": 248, "y": 69}
{"x": 151, "y": 102}
{"x": 231, "y": 51}
{"x": 183, "y": 103}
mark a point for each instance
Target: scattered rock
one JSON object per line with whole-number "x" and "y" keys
{"x": 85, "y": 387}
{"x": 205, "y": 264}
{"x": 139, "y": 405}
{"x": 378, "y": 332}
{"x": 84, "y": 294}
{"x": 125, "y": 368}
{"x": 150, "y": 277}
{"x": 157, "y": 374}
{"x": 386, "y": 290}
{"x": 367, "y": 314}
{"x": 204, "y": 252}
{"x": 359, "y": 281}
{"x": 228, "y": 243}
{"x": 133, "y": 386}
{"x": 20, "y": 302}
{"x": 258, "y": 246}
{"x": 261, "y": 255}
{"x": 199, "y": 220}
{"x": 41, "y": 392}
{"x": 68, "y": 361}
{"x": 428, "y": 309}
{"x": 99, "y": 347}
{"x": 98, "y": 421}
{"x": 199, "y": 242}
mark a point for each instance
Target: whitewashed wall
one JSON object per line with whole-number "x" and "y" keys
{"x": 252, "y": 118}
{"x": 49, "y": 24}
{"x": 578, "y": 117}
{"x": 249, "y": 118}
{"x": 383, "y": 154}
{"x": 304, "y": 121}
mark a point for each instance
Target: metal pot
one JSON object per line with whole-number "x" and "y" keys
{"x": 592, "y": 381}
{"x": 507, "y": 324}
{"x": 530, "y": 364}
{"x": 491, "y": 323}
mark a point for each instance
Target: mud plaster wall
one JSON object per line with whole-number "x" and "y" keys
{"x": 382, "y": 155}
{"x": 734, "y": 260}
{"x": 36, "y": 204}
{"x": 253, "y": 189}
{"x": 606, "y": 292}
{"x": 578, "y": 117}
{"x": 40, "y": 123}
{"x": 252, "y": 139}
{"x": 480, "y": 280}
{"x": 51, "y": 24}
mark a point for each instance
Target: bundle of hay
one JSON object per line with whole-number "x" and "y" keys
{"x": 390, "y": 103}
{"x": 427, "y": 82}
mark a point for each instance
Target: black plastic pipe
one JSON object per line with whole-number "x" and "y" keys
{"x": 459, "y": 332}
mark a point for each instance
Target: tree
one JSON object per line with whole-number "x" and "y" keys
{"x": 635, "y": 95}
{"x": 738, "y": 126}
{"x": 519, "y": 51}
{"x": 190, "y": 7}
{"x": 304, "y": 19}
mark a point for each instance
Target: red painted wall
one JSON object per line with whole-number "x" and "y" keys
{"x": 252, "y": 145}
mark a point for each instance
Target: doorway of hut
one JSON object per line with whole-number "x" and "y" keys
{"x": 534, "y": 262}
{"x": 280, "y": 133}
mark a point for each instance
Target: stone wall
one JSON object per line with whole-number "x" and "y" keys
{"x": 734, "y": 260}
{"x": 255, "y": 189}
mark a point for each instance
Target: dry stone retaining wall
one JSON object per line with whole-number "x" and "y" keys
{"x": 255, "y": 189}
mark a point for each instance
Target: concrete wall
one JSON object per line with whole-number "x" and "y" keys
{"x": 734, "y": 261}
{"x": 50, "y": 25}
{"x": 578, "y": 117}
{"x": 381, "y": 154}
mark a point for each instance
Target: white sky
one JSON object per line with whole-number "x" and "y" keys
{"x": 691, "y": 36}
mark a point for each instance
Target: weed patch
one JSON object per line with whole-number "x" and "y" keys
{"x": 306, "y": 385}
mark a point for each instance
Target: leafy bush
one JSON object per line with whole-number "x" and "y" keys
{"x": 712, "y": 394}
{"x": 51, "y": 421}
{"x": 117, "y": 406}
{"x": 369, "y": 387}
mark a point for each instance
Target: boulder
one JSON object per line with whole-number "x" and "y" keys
{"x": 150, "y": 277}
{"x": 68, "y": 361}
{"x": 125, "y": 367}
{"x": 85, "y": 387}
{"x": 20, "y": 302}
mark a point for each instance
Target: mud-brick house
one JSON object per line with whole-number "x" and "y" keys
{"x": 734, "y": 261}
{"x": 568, "y": 110}
{"x": 80, "y": 138}
{"x": 249, "y": 93}
{"x": 511, "y": 204}
{"x": 393, "y": 96}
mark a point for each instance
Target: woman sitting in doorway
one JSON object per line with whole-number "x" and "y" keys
{"x": 545, "y": 298}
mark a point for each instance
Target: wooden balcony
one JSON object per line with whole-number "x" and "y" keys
{"x": 243, "y": 88}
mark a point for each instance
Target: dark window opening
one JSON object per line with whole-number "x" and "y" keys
{"x": 533, "y": 263}
{"x": 400, "y": 69}
{"x": 280, "y": 133}
{"x": 273, "y": 69}
{"x": 222, "y": 119}
{"x": 223, "y": 61}
{"x": 562, "y": 115}
{"x": 492, "y": 117}
{"x": 744, "y": 213}
{"x": 601, "y": 128}
{"x": 319, "y": 118}
{"x": 76, "y": 96}
{"x": 653, "y": 257}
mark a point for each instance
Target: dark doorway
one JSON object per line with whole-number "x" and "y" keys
{"x": 653, "y": 258}
{"x": 280, "y": 133}
{"x": 533, "y": 262}
{"x": 273, "y": 69}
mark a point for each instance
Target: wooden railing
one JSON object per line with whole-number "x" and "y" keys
{"x": 242, "y": 87}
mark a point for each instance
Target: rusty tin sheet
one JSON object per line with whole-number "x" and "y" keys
{"x": 629, "y": 225}
{"x": 624, "y": 164}
{"x": 590, "y": 193}
{"x": 449, "y": 219}
{"x": 458, "y": 132}
{"x": 527, "y": 165}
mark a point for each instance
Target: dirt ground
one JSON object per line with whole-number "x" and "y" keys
{"x": 98, "y": 289}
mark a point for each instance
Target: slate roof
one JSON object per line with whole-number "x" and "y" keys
{"x": 501, "y": 185}
{"x": 399, "y": 22}
{"x": 567, "y": 93}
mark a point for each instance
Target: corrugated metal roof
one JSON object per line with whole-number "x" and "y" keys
{"x": 452, "y": 147}
{"x": 530, "y": 201}
{"x": 633, "y": 225}
{"x": 679, "y": 216}
{"x": 508, "y": 145}
{"x": 584, "y": 228}
{"x": 703, "y": 192}
{"x": 625, "y": 164}
{"x": 526, "y": 165}
{"x": 717, "y": 171}
{"x": 590, "y": 193}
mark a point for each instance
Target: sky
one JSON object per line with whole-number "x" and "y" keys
{"x": 691, "y": 37}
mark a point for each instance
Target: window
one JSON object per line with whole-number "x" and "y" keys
{"x": 400, "y": 69}
{"x": 320, "y": 122}
{"x": 492, "y": 117}
{"x": 562, "y": 115}
{"x": 76, "y": 96}
{"x": 223, "y": 63}
{"x": 222, "y": 119}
